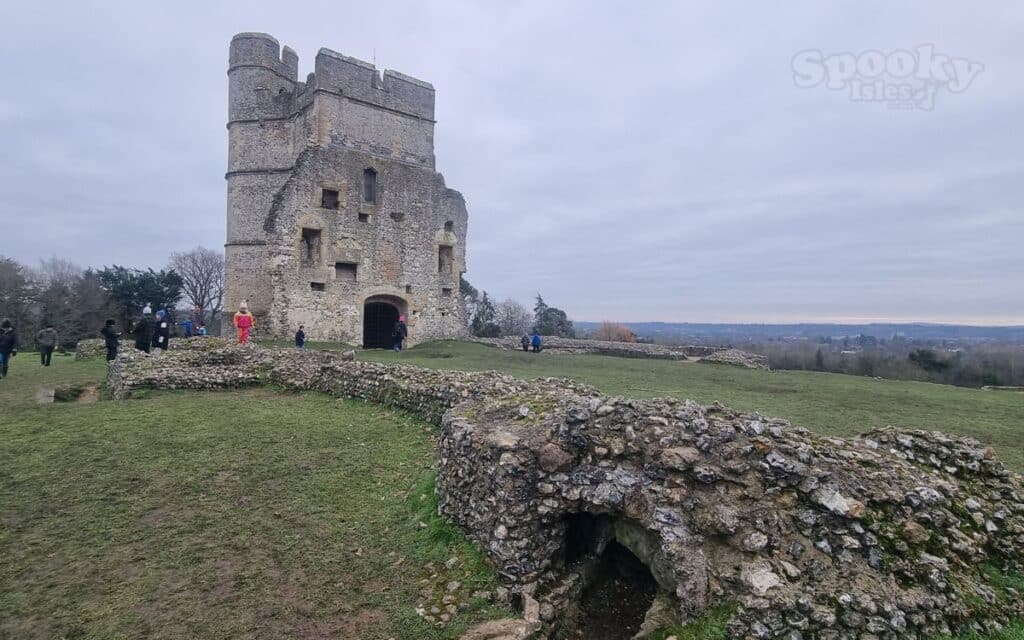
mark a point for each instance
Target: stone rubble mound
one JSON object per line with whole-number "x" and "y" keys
{"x": 555, "y": 344}
{"x": 737, "y": 358}
{"x": 96, "y": 347}
{"x": 893, "y": 534}
{"x": 712, "y": 355}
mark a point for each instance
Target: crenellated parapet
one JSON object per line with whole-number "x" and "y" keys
{"x": 358, "y": 80}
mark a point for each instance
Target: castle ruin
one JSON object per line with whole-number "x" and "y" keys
{"x": 336, "y": 216}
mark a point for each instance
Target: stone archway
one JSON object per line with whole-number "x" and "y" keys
{"x": 619, "y": 585}
{"x": 379, "y": 316}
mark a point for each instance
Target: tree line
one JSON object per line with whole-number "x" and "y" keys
{"x": 488, "y": 319}
{"x": 964, "y": 364}
{"x": 77, "y": 301}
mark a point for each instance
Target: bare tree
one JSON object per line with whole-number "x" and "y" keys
{"x": 202, "y": 274}
{"x": 513, "y": 318}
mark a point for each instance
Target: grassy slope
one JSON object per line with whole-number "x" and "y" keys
{"x": 825, "y": 402}
{"x": 243, "y": 515}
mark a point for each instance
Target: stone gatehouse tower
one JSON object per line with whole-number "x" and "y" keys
{"x": 336, "y": 216}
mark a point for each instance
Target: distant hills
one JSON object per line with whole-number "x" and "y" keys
{"x": 705, "y": 332}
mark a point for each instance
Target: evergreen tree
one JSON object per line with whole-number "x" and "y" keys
{"x": 484, "y": 324}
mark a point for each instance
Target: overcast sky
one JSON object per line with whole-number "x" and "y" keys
{"x": 630, "y": 161}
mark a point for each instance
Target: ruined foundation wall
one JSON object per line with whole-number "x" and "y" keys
{"x": 702, "y": 353}
{"x": 890, "y": 535}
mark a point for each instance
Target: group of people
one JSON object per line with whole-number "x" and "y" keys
{"x": 152, "y": 331}
{"x": 527, "y": 342}
{"x": 46, "y": 343}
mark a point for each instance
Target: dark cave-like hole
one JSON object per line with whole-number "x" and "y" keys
{"x": 619, "y": 587}
{"x": 584, "y": 535}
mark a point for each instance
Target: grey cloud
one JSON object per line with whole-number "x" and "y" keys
{"x": 629, "y": 162}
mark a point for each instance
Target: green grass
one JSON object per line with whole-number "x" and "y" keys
{"x": 827, "y": 403}
{"x": 205, "y": 515}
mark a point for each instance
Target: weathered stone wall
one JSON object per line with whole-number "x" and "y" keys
{"x": 96, "y": 347}
{"x": 889, "y": 535}
{"x": 737, "y": 358}
{"x": 623, "y": 349}
{"x": 290, "y": 140}
{"x": 702, "y": 353}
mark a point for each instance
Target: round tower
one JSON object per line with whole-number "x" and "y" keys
{"x": 262, "y": 82}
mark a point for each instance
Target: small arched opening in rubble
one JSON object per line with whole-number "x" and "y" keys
{"x": 615, "y": 588}
{"x": 380, "y": 313}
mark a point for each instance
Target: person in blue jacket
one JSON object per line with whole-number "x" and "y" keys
{"x": 536, "y": 341}
{"x": 300, "y": 338}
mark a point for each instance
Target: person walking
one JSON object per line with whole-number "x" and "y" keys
{"x": 46, "y": 342}
{"x": 300, "y": 338}
{"x": 525, "y": 342}
{"x": 110, "y": 338}
{"x": 536, "y": 342}
{"x": 187, "y": 327}
{"x": 400, "y": 333}
{"x": 244, "y": 322}
{"x": 143, "y": 330}
{"x": 8, "y": 346}
{"x": 162, "y": 332}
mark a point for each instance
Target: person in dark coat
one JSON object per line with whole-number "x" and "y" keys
{"x": 8, "y": 346}
{"x": 143, "y": 331}
{"x": 300, "y": 338}
{"x": 110, "y": 337}
{"x": 400, "y": 333}
{"x": 525, "y": 342}
{"x": 537, "y": 342}
{"x": 162, "y": 331}
{"x": 46, "y": 342}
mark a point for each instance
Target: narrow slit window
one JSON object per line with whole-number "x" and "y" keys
{"x": 445, "y": 258}
{"x": 369, "y": 185}
{"x": 329, "y": 199}
{"x": 345, "y": 271}
{"x": 449, "y": 226}
{"x": 310, "y": 247}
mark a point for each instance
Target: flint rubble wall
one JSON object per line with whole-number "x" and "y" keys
{"x": 893, "y": 534}
{"x": 714, "y": 355}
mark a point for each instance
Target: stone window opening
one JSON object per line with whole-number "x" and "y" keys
{"x": 446, "y": 292}
{"x": 318, "y": 286}
{"x": 364, "y": 217}
{"x": 445, "y": 259}
{"x": 329, "y": 199}
{"x": 397, "y": 216}
{"x": 345, "y": 271}
{"x": 310, "y": 248}
{"x": 408, "y": 288}
{"x": 449, "y": 226}
{"x": 370, "y": 185}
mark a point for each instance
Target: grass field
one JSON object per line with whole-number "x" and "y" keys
{"x": 825, "y": 402}
{"x": 204, "y": 515}
{"x": 256, "y": 514}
